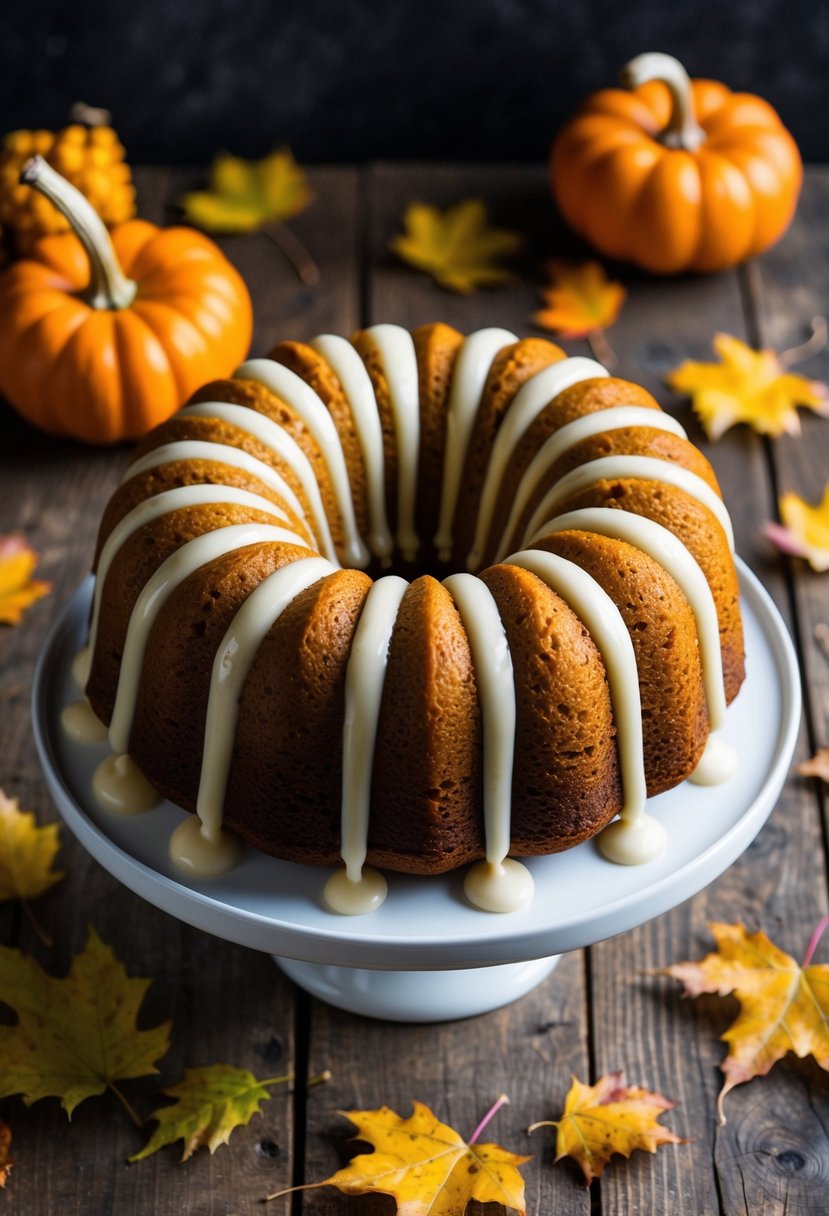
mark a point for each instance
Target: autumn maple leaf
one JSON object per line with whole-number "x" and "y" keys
{"x": 18, "y": 590}
{"x": 817, "y": 766}
{"x": 245, "y": 194}
{"x": 209, "y": 1103}
{"x": 74, "y": 1037}
{"x": 804, "y": 531}
{"x": 606, "y": 1118}
{"x": 783, "y": 1007}
{"x": 426, "y": 1166}
{"x": 458, "y": 247}
{"x": 752, "y": 386}
{"x": 26, "y": 852}
{"x": 6, "y": 1160}
{"x": 580, "y": 300}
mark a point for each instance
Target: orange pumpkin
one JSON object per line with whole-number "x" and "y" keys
{"x": 101, "y": 339}
{"x": 676, "y": 174}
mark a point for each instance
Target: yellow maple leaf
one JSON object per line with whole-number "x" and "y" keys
{"x": 426, "y": 1166}
{"x": 76, "y": 1036}
{"x": 6, "y": 1160}
{"x": 804, "y": 531}
{"x": 817, "y": 766}
{"x": 783, "y": 1007}
{"x": 18, "y": 590}
{"x": 747, "y": 385}
{"x": 209, "y": 1103}
{"x": 580, "y": 299}
{"x": 458, "y": 247}
{"x": 26, "y": 852}
{"x": 606, "y": 1118}
{"x": 246, "y": 194}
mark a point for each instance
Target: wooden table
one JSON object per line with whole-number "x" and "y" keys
{"x": 600, "y": 1010}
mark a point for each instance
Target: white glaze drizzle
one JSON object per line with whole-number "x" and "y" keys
{"x": 355, "y": 381}
{"x": 596, "y": 610}
{"x": 80, "y": 722}
{"x": 669, "y": 552}
{"x": 310, "y": 408}
{"x": 191, "y": 851}
{"x": 222, "y": 453}
{"x": 530, "y": 400}
{"x": 232, "y": 662}
{"x": 155, "y": 593}
{"x": 599, "y": 422}
{"x": 147, "y": 512}
{"x": 355, "y": 898}
{"x": 469, "y": 377}
{"x": 364, "y": 681}
{"x": 644, "y": 468}
{"x": 496, "y": 696}
{"x": 81, "y": 665}
{"x": 266, "y": 431}
{"x": 717, "y": 764}
{"x": 396, "y": 349}
{"x": 121, "y": 788}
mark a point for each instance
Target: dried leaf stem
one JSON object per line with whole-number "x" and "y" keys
{"x": 293, "y": 250}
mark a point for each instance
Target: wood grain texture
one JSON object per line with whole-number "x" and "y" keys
{"x": 599, "y": 1010}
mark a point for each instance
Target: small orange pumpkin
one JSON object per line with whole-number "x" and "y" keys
{"x": 104, "y": 335}
{"x": 676, "y": 174}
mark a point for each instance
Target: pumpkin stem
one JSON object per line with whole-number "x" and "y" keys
{"x": 108, "y": 285}
{"x": 683, "y": 130}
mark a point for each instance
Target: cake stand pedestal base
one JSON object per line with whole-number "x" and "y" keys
{"x": 418, "y": 996}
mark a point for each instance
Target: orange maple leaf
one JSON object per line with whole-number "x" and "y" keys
{"x": 818, "y": 766}
{"x": 783, "y": 1007}
{"x": 426, "y": 1166}
{"x": 606, "y": 1118}
{"x": 752, "y": 386}
{"x": 6, "y": 1161}
{"x": 18, "y": 590}
{"x": 580, "y": 299}
{"x": 804, "y": 531}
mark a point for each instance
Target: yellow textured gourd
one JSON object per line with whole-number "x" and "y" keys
{"x": 90, "y": 157}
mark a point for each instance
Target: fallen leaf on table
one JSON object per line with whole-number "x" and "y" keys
{"x": 74, "y": 1037}
{"x": 747, "y": 385}
{"x": 580, "y": 300}
{"x": 26, "y": 852}
{"x": 6, "y": 1161}
{"x": 818, "y": 766}
{"x": 458, "y": 247}
{"x": 606, "y": 1118}
{"x": 426, "y": 1166}
{"x": 18, "y": 590}
{"x": 209, "y": 1103}
{"x": 783, "y": 1007}
{"x": 246, "y": 194}
{"x": 804, "y": 531}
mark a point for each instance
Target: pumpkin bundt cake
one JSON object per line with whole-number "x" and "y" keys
{"x": 416, "y": 600}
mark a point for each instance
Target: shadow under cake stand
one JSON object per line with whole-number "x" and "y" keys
{"x": 426, "y": 954}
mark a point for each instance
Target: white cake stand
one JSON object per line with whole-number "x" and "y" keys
{"x": 426, "y": 954}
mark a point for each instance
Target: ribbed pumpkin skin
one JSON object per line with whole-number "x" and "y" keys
{"x": 665, "y": 208}
{"x": 101, "y": 374}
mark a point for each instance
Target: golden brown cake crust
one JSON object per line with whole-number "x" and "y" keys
{"x": 566, "y": 783}
{"x": 436, "y": 347}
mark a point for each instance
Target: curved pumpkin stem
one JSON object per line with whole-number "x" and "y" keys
{"x": 683, "y": 130}
{"x": 108, "y": 287}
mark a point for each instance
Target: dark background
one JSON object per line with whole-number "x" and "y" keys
{"x": 359, "y": 80}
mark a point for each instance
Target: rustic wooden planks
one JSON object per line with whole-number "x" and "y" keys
{"x": 599, "y": 1010}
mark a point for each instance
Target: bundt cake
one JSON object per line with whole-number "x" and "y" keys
{"x": 418, "y": 600}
